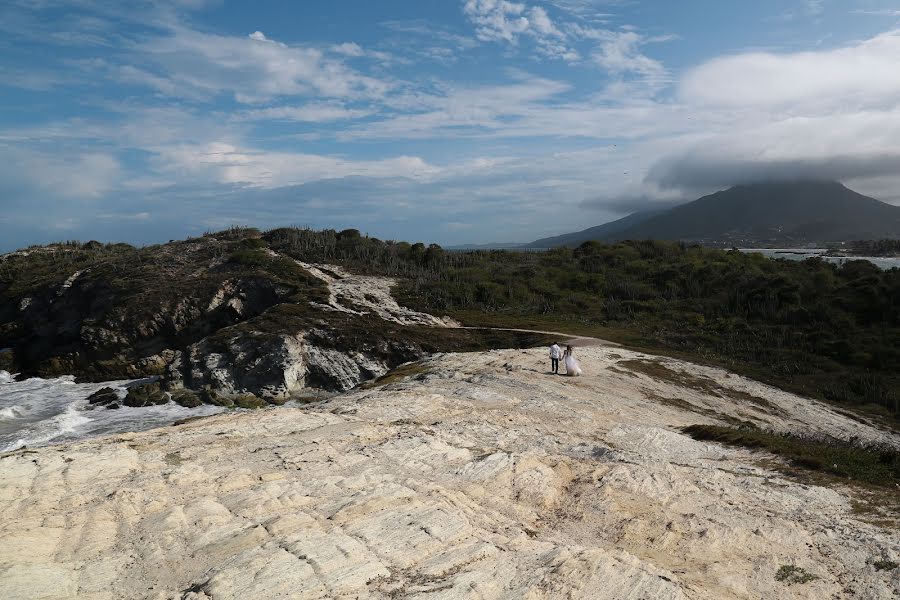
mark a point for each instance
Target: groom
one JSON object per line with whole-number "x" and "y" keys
{"x": 555, "y": 352}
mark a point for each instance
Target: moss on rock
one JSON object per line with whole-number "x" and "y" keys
{"x": 148, "y": 394}
{"x": 7, "y": 361}
{"x": 186, "y": 398}
{"x": 211, "y": 396}
{"x": 249, "y": 401}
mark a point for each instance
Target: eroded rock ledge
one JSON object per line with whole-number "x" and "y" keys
{"x": 475, "y": 475}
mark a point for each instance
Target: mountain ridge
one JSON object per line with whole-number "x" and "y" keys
{"x": 793, "y": 213}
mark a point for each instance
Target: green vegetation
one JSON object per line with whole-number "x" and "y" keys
{"x": 814, "y": 328}
{"x": 885, "y": 565}
{"x": 835, "y": 458}
{"x": 127, "y": 302}
{"x": 791, "y": 574}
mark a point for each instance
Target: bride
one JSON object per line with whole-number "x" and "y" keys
{"x": 572, "y": 366}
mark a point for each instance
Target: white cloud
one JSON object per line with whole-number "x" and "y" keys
{"x": 588, "y": 10}
{"x": 619, "y": 53}
{"x": 862, "y": 75}
{"x": 64, "y": 175}
{"x": 503, "y": 21}
{"x": 349, "y": 49}
{"x": 227, "y": 163}
{"x": 887, "y": 12}
{"x": 497, "y": 19}
{"x": 814, "y": 7}
{"x": 308, "y": 113}
{"x": 827, "y": 114}
{"x": 462, "y": 110}
{"x": 252, "y": 68}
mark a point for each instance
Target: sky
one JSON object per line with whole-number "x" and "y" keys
{"x": 448, "y": 121}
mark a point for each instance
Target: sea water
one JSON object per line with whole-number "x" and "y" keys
{"x": 884, "y": 262}
{"x": 38, "y": 412}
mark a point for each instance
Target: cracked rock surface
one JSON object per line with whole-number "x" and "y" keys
{"x": 476, "y": 476}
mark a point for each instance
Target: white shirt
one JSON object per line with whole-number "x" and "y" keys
{"x": 554, "y": 351}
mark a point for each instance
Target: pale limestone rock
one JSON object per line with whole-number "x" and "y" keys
{"x": 474, "y": 481}
{"x": 361, "y": 294}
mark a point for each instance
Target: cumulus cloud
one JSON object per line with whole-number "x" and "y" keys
{"x": 500, "y": 20}
{"x": 619, "y": 52}
{"x": 497, "y": 19}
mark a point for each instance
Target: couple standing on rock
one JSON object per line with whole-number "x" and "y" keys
{"x": 572, "y": 366}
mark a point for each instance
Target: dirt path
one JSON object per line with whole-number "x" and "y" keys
{"x": 577, "y": 341}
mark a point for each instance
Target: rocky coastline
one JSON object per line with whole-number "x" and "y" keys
{"x": 462, "y": 474}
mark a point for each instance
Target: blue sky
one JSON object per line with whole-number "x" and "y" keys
{"x": 436, "y": 120}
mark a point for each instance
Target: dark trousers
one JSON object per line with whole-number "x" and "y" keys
{"x": 554, "y": 364}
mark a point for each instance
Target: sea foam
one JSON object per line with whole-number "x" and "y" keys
{"x": 37, "y": 412}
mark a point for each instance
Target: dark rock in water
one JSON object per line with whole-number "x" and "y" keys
{"x": 145, "y": 395}
{"x": 249, "y": 401}
{"x": 186, "y": 398}
{"x": 211, "y": 396}
{"x": 7, "y": 361}
{"x": 113, "y": 406}
{"x": 103, "y": 396}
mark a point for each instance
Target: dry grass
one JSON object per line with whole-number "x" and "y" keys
{"x": 656, "y": 370}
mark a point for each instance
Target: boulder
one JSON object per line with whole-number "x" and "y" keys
{"x": 249, "y": 401}
{"x": 211, "y": 396}
{"x": 104, "y": 396}
{"x": 7, "y": 362}
{"x": 271, "y": 366}
{"x": 148, "y": 394}
{"x": 186, "y": 398}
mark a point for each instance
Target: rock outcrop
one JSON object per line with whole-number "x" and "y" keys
{"x": 104, "y": 397}
{"x": 147, "y": 394}
{"x": 222, "y": 313}
{"x": 127, "y": 311}
{"x": 361, "y": 294}
{"x": 470, "y": 475}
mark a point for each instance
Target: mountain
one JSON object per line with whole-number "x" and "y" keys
{"x": 607, "y": 231}
{"x": 786, "y": 213}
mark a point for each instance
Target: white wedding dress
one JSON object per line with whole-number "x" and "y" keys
{"x": 572, "y": 366}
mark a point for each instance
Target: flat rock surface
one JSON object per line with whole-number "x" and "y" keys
{"x": 477, "y": 476}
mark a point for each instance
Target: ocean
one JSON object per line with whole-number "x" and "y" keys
{"x": 802, "y": 254}
{"x": 39, "y": 412}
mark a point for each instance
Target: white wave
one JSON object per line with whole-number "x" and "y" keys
{"x": 62, "y": 425}
{"x": 11, "y": 412}
{"x": 37, "y": 412}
